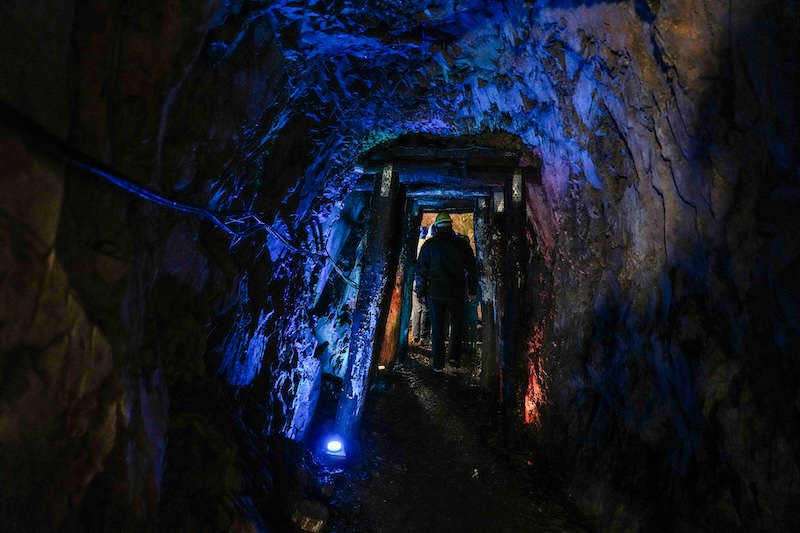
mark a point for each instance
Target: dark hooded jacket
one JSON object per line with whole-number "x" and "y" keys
{"x": 446, "y": 267}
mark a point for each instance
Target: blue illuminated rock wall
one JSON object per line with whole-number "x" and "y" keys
{"x": 167, "y": 319}
{"x": 662, "y": 285}
{"x": 652, "y": 216}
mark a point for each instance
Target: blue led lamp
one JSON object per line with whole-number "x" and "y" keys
{"x": 333, "y": 445}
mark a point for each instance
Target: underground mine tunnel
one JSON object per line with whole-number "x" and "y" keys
{"x": 211, "y": 215}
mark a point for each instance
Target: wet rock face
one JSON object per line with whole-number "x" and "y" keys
{"x": 661, "y": 285}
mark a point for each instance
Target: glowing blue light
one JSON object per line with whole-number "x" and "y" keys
{"x": 334, "y": 447}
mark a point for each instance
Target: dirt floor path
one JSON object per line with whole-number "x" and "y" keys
{"x": 430, "y": 463}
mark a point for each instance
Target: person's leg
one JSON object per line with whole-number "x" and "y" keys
{"x": 424, "y": 322}
{"x": 456, "y": 331}
{"x": 437, "y": 313}
{"x": 415, "y": 317}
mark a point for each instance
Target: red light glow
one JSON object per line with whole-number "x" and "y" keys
{"x": 535, "y": 395}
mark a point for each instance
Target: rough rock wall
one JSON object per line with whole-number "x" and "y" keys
{"x": 61, "y": 404}
{"x": 662, "y": 284}
{"x": 122, "y": 321}
{"x": 663, "y": 281}
{"x": 666, "y": 352}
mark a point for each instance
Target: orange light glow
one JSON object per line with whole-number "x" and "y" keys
{"x": 535, "y": 395}
{"x": 392, "y": 332}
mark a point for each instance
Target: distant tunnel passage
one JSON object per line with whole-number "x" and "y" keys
{"x": 419, "y": 176}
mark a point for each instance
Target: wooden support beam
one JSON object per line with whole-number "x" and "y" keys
{"x": 432, "y": 191}
{"x": 451, "y": 205}
{"x": 399, "y": 154}
{"x": 514, "y": 355}
{"x": 411, "y": 243}
{"x": 487, "y": 244}
{"x": 381, "y": 227}
{"x": 395, "y": 337}
{"x": 446, "y": 172}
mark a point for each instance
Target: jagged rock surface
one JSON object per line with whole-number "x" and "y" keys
{"x": 663, "y": 275}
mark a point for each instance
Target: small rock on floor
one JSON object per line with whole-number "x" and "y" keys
{"x": 310, "y": 515}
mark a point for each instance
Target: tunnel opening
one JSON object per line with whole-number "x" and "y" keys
{"x": 484, "y": 181}
{"x": 415, "y": 336}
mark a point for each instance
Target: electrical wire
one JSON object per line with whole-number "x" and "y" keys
{"x": 239, "y": 225}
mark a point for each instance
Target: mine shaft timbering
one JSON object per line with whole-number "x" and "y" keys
{"x": 403, "y": 179}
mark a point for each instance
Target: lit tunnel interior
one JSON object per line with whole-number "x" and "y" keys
{"x": 209, "y": 220}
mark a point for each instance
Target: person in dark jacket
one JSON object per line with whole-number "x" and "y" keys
{"x": 446, "y": 273}
{"x": 420, "y": 325}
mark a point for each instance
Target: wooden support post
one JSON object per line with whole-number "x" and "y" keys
{"x": 497, "y": 251}
{"x": 408, "y": 262}
{"x": 371, "y": 292}
{"x": 513, "y": 353}
{"x": 486, "y": 246}
{"x": 395, "y": 337}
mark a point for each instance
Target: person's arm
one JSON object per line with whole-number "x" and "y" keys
{"x": 421, "y": 275}
{"x": 472, "y": 272}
